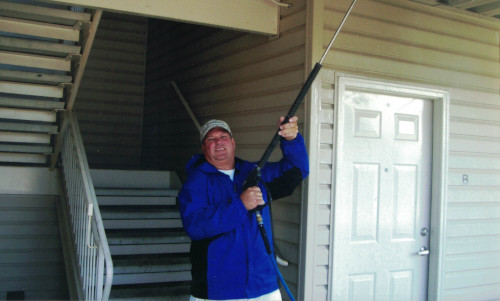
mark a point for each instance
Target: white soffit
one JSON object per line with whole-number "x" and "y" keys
{"x": 259, "y": 16}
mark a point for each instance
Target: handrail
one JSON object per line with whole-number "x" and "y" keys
{"x": 95, "y": 266}
{"x": 186, "y": 105}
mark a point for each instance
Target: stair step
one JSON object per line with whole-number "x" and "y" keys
{"x": 120, "y": 279}
{"x": 116, "y": 214}
{"x": 35, "y": 61}
{"x": 39, "y": 29}
{"x": 37, "y": 47}
{"x": 31, "y": 89}
{"x": 135, "y": 192}
{"x": 20, "y": 137}
{"x": 28, "y": 115}
{"x": 167, "y": 248}
{"x": 135, "y": 201}
{"x": 30, "y": 103}
{"x": 142, "y": 223}
{"x": 159, "y": 292}
{"x": 23, "y": 158}
{"x": 20, "y": 148}
{"x": 43, "y": 14}
{"x": 150, "y": 264}
{"x": 149, "y": 249}
{"x": 34, "y": 77}
{"x": 135, "y": 178}
{"x": 153, "y": 238}
{"x": 28, "y": 127}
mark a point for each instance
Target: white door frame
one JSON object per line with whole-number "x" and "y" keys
{"x": 440, "y": 99}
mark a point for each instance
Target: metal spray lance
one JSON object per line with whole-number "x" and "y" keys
{"x": 254, "y": 176}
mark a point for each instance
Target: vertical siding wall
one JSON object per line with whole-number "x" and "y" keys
{"x": 411, "y": 43}
{"x": 110, "y": 101}
{"x": 246, "y": 79}
{"x": 31, "y": 258}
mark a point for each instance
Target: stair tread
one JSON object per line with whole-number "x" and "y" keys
{"x": 58, "y": 15}
{"x": 27, "y": 90}
{"x": 21, "y": 158}
{"x": 153, "y": 213}
{"x": 170, "y": 223}
{"x": 112, "y": 178}
{"x": 135, "y": 192}
{"x": 151, "y": 237}
{"x": 136, "y": 200}
{"x": 20, "y": 148}
{"x": 28, "y": 127}
{"x": 150, "y": 264}
{"x": 30, "y": 103}
{"x": 161, "y": 292}
{"x": 166, "y": 248}
{"x": 38, "y": 46}
{"x": 34, "y": 77}
{"x": 132, "y": 278}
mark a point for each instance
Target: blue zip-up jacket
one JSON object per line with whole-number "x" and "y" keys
{"x": 228, "y": 256}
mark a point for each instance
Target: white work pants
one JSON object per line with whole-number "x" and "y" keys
{"x": 272, "y": 296}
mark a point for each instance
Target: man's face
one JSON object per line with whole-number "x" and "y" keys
{"x": 218, "y": 148}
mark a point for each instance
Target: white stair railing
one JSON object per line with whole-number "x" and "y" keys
{"x": 95, "y": 267}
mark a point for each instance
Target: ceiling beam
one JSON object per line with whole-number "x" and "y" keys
{"x": 259, "y": 16}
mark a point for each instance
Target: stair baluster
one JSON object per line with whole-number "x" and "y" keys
{"x": 95, "y": 267}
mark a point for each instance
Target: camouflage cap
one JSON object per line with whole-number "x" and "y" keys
{"x": 212, "y": 124}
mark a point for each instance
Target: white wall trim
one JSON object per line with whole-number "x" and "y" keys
{"x": 312, "y": 107}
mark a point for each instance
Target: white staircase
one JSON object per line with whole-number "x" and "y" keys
{"x": 149, "y": 249}
{"x": 42, "y": 58}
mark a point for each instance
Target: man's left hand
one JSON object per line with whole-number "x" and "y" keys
{"x": 289, "y": 130}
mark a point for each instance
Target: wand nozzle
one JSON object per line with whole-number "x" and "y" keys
{"x": 302, "y": 94}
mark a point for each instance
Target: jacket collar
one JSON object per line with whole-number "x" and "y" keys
{"x": 198, "y": 162}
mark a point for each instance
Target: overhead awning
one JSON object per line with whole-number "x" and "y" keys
{"x": 259, "y": 16}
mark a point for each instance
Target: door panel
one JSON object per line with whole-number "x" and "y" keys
{"x": 382, "y": 199}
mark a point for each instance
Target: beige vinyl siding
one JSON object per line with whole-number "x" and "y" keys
{"x": 245, "y": 79}
{"x": 461, "y": 54}
{"x": 110, "y": 100}
{"x": 411, "y": 43}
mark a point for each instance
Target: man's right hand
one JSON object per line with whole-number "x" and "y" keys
{"x": 252, "y": 197}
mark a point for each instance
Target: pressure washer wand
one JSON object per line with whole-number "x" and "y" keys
{"x": 254, "y": 176}
{"x": 300, "y": 97}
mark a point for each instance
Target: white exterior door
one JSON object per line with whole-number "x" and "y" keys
{"x": 382, "y": 196}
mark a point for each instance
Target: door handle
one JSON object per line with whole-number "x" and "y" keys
{"x": 423, "y": 251}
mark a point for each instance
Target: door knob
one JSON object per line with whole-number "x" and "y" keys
{"x": 423, "y": 251}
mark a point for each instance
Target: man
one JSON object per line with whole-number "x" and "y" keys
{"x": 228, "y": 255}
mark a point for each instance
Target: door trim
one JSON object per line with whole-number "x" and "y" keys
{"x": 440, "y": 99}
